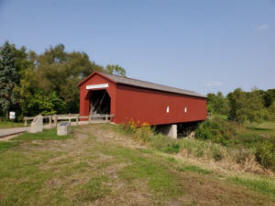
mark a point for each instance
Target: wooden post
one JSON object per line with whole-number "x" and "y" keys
{"x": 25, "y": 122}
{"x": 55, "y": 120}
{"x": 77, "y": 116}
{"x": 50, "y": 121}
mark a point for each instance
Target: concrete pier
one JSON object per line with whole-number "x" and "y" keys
{"x": 170, "y": 130}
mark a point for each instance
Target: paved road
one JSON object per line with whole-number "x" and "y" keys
{"x": 12, "y": 131}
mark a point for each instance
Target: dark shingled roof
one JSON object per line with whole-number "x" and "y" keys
{"x": 143, "y": 84}
{"x": 150, "y": 85}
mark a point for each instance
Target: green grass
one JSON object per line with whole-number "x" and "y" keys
{"x": 7, "y": 145}
{"x": 264, "y": 126}
{"x": 95, "y": 169}
{"x": 7, "y": 124}
{"x": 95, "y": 189}
{"x": 265, "y": 130}
{"x": 17, "y": 166}
{"x": 160, "y": 180}
{"x": 48, "y": 134}
{"x": 21, "y": 176}
{"x": 262, "y": 185}
{"x": 255, "y": 133}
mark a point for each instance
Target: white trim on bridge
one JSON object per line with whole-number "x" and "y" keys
{"x": 97, "y": 86}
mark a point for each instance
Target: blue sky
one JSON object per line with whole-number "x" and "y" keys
{"x": 206, "y": 46}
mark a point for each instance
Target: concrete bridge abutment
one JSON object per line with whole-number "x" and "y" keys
{"x": 170, "y": 130}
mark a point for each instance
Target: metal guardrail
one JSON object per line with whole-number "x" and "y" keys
{"x": 53, "y": 119}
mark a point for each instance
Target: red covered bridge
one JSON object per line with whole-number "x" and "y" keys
{"x": 131, "y": 99}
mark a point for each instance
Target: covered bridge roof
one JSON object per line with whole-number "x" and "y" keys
{"x": 144, "y": 84}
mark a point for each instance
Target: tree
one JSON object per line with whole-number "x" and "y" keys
{"x": 217, "y": 104}
{"x": 269, "y": 97}
{"x": 8, "y": 77}
{"x": 246, "y": 106}
{"x": 59, "y": 71}
{"x": 116, "y": 69}
{"x": 271, "y": 111}
{"x": 45, "y": 103}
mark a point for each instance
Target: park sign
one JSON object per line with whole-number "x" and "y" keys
{"x": 12, "y": 115}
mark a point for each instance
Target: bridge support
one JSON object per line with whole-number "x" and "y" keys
{"x": 170, "y": 130}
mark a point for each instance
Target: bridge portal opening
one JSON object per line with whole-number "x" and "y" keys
{"x": 100, "y": 102}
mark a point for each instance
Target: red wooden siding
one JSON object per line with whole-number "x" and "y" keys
{"x": 150, "y": 106}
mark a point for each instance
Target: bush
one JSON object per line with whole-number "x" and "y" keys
{"x": 216, "y": 130}
{"x": 144, "y": 132}
{"x": 216, "y": 154}
{"x": 271, "y": 112}
{"x": 265, "y": 154}
{"x": 141, "y": 131}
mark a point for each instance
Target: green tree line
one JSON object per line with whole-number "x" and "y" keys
{"x": 46, "y": 83}
{"x": 242, "y": 106}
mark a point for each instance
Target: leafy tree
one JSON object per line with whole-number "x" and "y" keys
{"x": 8, "y": 77}
{"x": 116, "y": 69}
{"x": 59, "y": 71}
{"x": 246, "y": 106}
{"x": 271, "y": 111}
{"x": 217, "y": 104}
{"x": 45, "y": 104}
{"x": 269, "y": 97}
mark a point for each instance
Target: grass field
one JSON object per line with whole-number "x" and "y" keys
{"x": 260, "y": 131}
{"x": 6, "y": 124}
{"x": 99, "y": 165}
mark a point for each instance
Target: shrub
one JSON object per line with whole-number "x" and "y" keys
{"x": 217, "y": 130}
{"x": 271, "y": 112}
{"x": 216, "y": 154}
{"x": 144, "y": 132}
{"x": 265, "y": 154}
{"x": 141, "y": 131}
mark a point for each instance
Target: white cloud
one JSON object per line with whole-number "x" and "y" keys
{"x": 263, "y": 27}
{"x": 214, "y": 84}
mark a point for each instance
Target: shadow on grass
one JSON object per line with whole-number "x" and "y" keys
{"x": 260, "y": 129}
{"x": 193, "y": 168}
